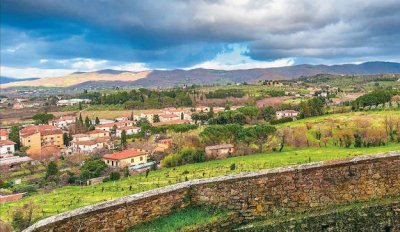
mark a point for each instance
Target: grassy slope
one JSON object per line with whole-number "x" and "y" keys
{"x": 184, "y": 219}
{"x": 71, "y": 197}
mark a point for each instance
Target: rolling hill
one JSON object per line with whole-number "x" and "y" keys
{"x": 170, "y": 78}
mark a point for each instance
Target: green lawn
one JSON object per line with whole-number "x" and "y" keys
{"x": 71, "y": 197}
{"x": 181, "y": 220}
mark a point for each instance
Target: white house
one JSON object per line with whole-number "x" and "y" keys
{"x": 72, "y": 102}
{"x": 286, "y": 114}
{"x": 63, "y": 121}
{"x": 169, "y": 117}
{"x": 7, "y": 147}
{"x": 149, "y": 115}
{"x": 130, "y": 130}
{"x": 86, "y": 147}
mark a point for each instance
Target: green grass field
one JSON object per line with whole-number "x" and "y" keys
{"x": 181, "y": 220}
{"x": 71, "y": 197}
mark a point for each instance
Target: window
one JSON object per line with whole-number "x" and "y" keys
{"x": 29, "y": 141}
{"x": 112, "y": 163}
{"x": 141, "y": 158}
{"x": 133, "y": 160}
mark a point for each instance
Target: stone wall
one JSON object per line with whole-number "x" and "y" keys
{"x": 271, "y": 192}
{"x": 385, "y": 217}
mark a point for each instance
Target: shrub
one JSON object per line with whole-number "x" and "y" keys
{"x": 92, "y": 168}
{"x": 185, "y": 156}
{"x": 114, "y": 176}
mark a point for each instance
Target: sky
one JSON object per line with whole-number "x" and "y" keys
{"x": 45, "y": 38}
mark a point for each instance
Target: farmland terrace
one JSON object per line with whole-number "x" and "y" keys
{"x": 255, "y": 196}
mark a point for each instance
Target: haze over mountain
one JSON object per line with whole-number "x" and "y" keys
{"x": 170, "y": 78}
{"x": 5, "y": 80}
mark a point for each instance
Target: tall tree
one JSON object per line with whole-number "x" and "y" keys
{"x": 97, "y": 121}
{"x": 156, "y": 118}
{"x": 14, "y": 136}
{"x": 123, "y": 139}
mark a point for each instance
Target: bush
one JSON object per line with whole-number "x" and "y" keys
{"x": 26, "y": 189}
{"x": 185, "y": 156}
{"x": 282, "y": 120}
{"x": 92, "y": 168}
{"x": 114, "y": 176}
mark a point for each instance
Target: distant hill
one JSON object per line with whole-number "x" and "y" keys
{"x": 170, "y": 78}
{"x": 77, "y": 78}
{"x": 5, "y": 80}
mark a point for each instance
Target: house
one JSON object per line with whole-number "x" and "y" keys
{"x": 72, "y": 102}
{"x": 86, "y": 147}
{"x": 286, "y": 114}
{"x": 130, "y": 130}
{"x": 172, "y": 122}
{"x": 126, "y": 158}
{"x": 123, "y": 118}
{"x": 63, "y": 121}
{"x": 109, "y": 126}
{"x": 149, "y": 115}
{"x": 37, "y": 136}
{"x": 221, "y": 151}
{"x": 3, "y": 135}
{"x": 169, "y": 117}
{"x": 202, "y": 109}
{"x": 7, "y": 147}
{"x": 97, "y": 134}
{"x": 81, "y": 137}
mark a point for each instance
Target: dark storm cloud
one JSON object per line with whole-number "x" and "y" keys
{"x": 179, "y": 33}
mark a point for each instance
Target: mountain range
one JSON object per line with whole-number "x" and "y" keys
{"x": 177, "y": 77}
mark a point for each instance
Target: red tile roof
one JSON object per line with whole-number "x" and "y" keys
{"x": 43, "y": 129}
{"x": 128, "y": 128}
{"x": 168, "y": 116}
{"x": 178, "y": 121}
{"x": 3, "y": 133}
{"x": 124, "y": 154}
{"x": 6, "y": 143}
{"x": 97, "y": 131}
{"x": 88, "y": 142}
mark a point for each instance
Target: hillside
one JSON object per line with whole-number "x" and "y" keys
{"x": 79, "y": 78}
{"x": 170, "y": 78}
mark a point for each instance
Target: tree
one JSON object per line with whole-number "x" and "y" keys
{"x": 250, "y": 112}
{"x": 123, "y": 139}
{"x": 52, "y": 169}
{"x": 66, "y": 139}
{"x": 14, "y": 136}
{"x": 80, "y": 105}
{"x": 260, "y": 134}
{"x": 268, "y": 113}
{"x": 87, "y": 123}
{"x": 92, "y": 168}
{"x": 23, "y": 216}
{"x": 215, "y": 134}
{"x": 42, "y": 118}
{"x": 156, "y": 118}
{"x": 312, "y": 107}
{"x": 97, "y": 121}
{"x": 114, "y": 176}
{"x": 113, "y": 130}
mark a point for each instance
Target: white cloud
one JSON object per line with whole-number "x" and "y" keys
{"x": 235, "y": 58}
{"x": 32, "y": 72}
{"x": 133, "y": 67}
{"x": 87, "y": 64}
{"x": 43, "y": 61}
